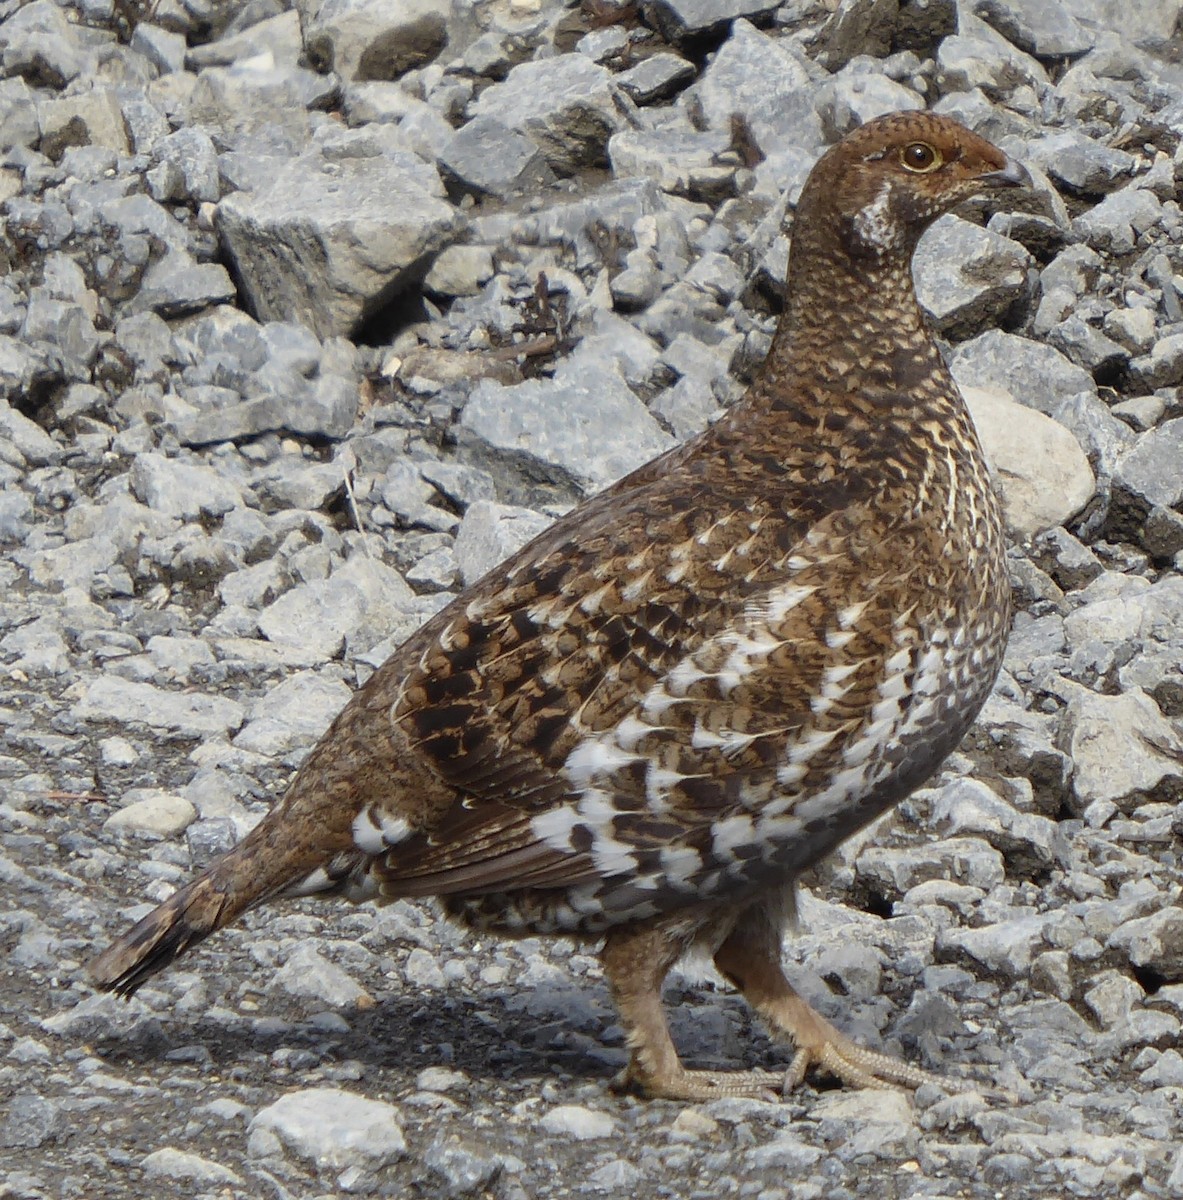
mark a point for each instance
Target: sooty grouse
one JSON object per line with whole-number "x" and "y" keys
{"x": 646, "y": 723}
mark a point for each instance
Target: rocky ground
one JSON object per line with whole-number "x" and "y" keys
{"x": 308, "y": 317}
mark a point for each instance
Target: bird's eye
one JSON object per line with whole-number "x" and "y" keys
{"x": 920, "y": 157}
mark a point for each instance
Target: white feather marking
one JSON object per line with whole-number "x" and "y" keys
{"x": 839, "y": 639}
{"x": 874, "y": 223}
{"x": 791, "y": 773}
{"x": 850, "y": 615}
{"x": 612, "y": 857}
{"x": 680, "y": 863}
{"x": 375, "y": 832}
{"x": 636, "y": 586}
{"x": 685, "y": 673}
{"x": 657, "y": 702}
{"x": 781, "y": 601}
{"x": 894, "y": 687}
{"x": 808, "y": 747}
{"x": 593, "y": 757}
{"x": 658, "y": 781}
{"x": 705, "y": 739}
{"x": 732, "y": 832}
{"x": 554, "y": 827}
{"x": 930, "y": 672}
{"x": 630, "y": 731}
{"x": 590, "y": 603}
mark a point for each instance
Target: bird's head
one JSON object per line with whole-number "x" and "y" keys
{"x": 879, "y": 188}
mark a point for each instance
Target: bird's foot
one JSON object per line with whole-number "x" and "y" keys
{"x": 820, "y": 1045}
{"x": 699, "y": 1086}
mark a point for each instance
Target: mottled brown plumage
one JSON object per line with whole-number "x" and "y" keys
{"x": 650, "y": 720}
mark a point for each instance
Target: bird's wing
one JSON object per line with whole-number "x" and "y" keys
{"x": 630, "y": 682}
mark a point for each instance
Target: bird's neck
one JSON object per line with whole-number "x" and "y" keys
{"x": 850, "y": 312}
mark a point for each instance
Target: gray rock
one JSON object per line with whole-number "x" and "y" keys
{"x": 1027, "y": 841}
{"x": 892, "y": 872}
{"x": 180, "y": 489}
{"x": 40, "y": 648}
{"x": 40, "y": 45}
{"x": 460, "y": 271}
{"x": 465, "y": 1165}
{"x": 26, "y": 436}
{"x": 1034, "y": 374}
{"x": 333, "y": 238}
{"x": 572, "y": 430}
{"x": 31, "y": 1121}
{"x": 292, "y": 715}
{"x": 684, "y": 162}
{"x": 1044, "y": 28}
{"x": 1126, "y": 753}
{"x": 170, "y": 1163}
{"x": 267, "y": 102}
{"x": 1004, "y": 947}
{"x": 681, "y": 21}
{"x": 91, "y": 118}
{"x": 858, "y": 27}
{"x": 309, "y": 974}
{"x": 369, "y": 39}
{"x": 164, "y": 49}
{"x": 655, "y": 78}
{"x": 1117, "y": 222}
{"x": 1133, "y": 327}
{"x": 1086, "y": 346}
{"x": 1162, "y": 367}
{"x": 989, "y": 275}
{"x": 331, "y": 1128}
{"x": 1081, "y": 164}
{"x": 410, "y": 497}
{"x": 490, "y": 533}
{"x": 361, "y": 603}
{"x": 184, "y": 714}
{"x": 277, "y": 35}
{"x": 758, "y": 79}
{"x": 568, "y": 106}
{"x": 1147, "y": 477}
{"x": 461, "y": 484}
{"x": 855, "y": 96}
{"x": 603, "y": 45}
{"x": 19, "y": 122}
{"x": 486, "y": 156}
{"x": 185, "y": 168}
{"x": 16, "y": 512}
{"x": 176, "y": 284}
{"x": 1154, "y": 942}
{"x": 786, "y": 1153}
{"x": 978, "y": 62}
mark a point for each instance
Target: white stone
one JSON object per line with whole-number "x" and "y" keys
{"x": 165, "y": 814}
{"x": 1041, "y": 473}
{"x": 330, "y": 1127}
{"x": 578, "y": 1122}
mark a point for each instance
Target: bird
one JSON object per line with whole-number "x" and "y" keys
{"x": 642, "y": 727}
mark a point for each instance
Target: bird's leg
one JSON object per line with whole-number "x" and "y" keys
{"x": 636, "y": 961}
{"x": 750, "y": 957}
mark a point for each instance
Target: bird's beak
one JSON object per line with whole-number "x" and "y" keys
{"x": 1012, "y": 174}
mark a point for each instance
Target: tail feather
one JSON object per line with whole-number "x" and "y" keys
{"x": 183, "y": 920}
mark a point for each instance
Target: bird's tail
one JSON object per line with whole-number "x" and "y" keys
{"x": 252, "y": 872}
{"x": 183, "y": 920}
